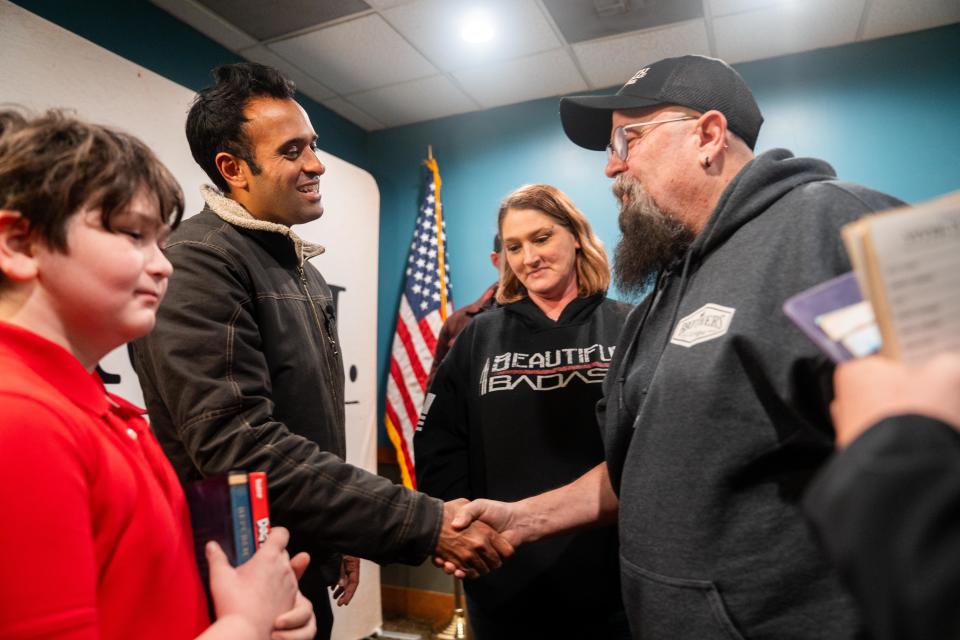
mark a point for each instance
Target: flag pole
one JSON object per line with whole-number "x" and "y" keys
{"x": 438, "y": 215}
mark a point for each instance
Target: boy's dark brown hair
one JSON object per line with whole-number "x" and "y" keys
{"x": 53, "y": 165}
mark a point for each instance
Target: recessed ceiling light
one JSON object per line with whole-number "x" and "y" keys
{"x": 476, "y": 27}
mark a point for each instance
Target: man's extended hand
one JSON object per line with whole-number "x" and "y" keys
{"x": 472, "y": 549}
{"x": 504, "y": 517}
{"x": 500, "y": 516}
{"x": 870, "y": 389}
{"x": 346, "y": 586}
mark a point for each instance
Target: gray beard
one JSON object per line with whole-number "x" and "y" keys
{"x": 651, "y": 238}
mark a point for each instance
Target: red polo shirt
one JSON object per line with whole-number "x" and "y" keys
{"x": 95, "y": 538}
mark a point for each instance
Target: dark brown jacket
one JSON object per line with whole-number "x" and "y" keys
{"x": 243, "y": 371}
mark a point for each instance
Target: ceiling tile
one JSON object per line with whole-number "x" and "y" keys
{"x": 355, "y": 55}
{"x": 407, "y": 102}
{"x": 726, "y": 7}
{"x": 433, "y": 27}
{"x": 890, "y": 17}
{"x": 786, "y": 28}
{"x": 579, "y": 20}
{"x": 551, "y": 73}
{"x": 265, "y": 19}
{"x": 352, "y": 113}
{"x": 612, "y": 61}
{"x": 207, "y": 23}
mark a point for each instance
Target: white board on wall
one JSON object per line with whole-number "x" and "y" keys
{"x": 44, "y": 66}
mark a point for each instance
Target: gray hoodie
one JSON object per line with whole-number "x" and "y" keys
{"x": 717, "y": 414}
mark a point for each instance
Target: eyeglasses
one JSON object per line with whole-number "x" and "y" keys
{"x": 619, "y": 145}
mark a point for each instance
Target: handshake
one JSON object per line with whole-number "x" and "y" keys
{"x": 476, "y": 537}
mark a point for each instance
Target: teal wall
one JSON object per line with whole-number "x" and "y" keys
{"x": 883, "y": 112}
{"x": 152, "y": 38}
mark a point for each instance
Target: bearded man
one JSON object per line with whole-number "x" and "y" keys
{"x": 716, "y": 409}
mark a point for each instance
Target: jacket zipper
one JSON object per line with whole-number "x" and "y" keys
{"x": 323, "y": 332}
{"x": 316, "y": 313}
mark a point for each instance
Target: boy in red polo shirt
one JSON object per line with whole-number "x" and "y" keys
{"x": 96, "y": 539}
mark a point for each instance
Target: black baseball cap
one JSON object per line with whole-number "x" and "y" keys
{"x": 697, "y": 82}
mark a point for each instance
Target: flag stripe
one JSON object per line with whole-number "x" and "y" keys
{"x": 408, "y": 381}
{"x": 418, "y": 349}
{"x": 404, "y": 431}
{"x": 408, "y": 358}
{"x": 411, "y": 413}
{"x": 428, "y": 333}
{"x": 395, "y": 404}
{"x": 423, "y": 332}
{"x": 404, "y": 460}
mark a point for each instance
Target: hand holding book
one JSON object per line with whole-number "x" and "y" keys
{"x": 261, "y": 596}
{"x": 907, "y": 267}
{"x": 872, "y": 389}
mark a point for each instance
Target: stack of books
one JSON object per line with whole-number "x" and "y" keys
{"x": 231, "y": 510}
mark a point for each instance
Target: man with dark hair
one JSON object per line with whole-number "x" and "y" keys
{"x": 716, "y": 409}
{"x": 460, "y": 318}
{"x": 214, "y": 124}
{"x": 244, "y": 369}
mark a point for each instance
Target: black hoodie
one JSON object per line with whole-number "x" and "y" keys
{"x": 510, "y": 415}
{"x": 717, "y": 414}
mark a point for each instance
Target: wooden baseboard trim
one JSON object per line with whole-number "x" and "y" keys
{"x": 417, "y": 604}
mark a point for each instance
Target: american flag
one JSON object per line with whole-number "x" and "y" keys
{"x": 424, "y": 306}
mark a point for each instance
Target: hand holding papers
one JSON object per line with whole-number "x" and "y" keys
{"x": 907, "y": 262}
{"x": 834, "y": 315}
{"x": 907, "y": 266}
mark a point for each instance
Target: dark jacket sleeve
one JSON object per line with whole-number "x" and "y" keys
{"x": 208, "y": 392}
{"x": 445, "y": 339}
{"x": 442, "y": 441}
{"x": 888, "y": 511}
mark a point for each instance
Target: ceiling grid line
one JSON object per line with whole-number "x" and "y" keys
{"x": 708, "y": 25}
{"x": 567, "y": 47}
{"x": 862, "y": 27}
{"x": 319, "y": 27}
{"x": 440, "y": 70}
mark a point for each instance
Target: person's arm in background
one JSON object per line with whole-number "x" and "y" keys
{"x": 887, "y": 506}
{"x": 445, "y": 340}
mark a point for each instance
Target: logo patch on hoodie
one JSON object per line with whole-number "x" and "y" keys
{"x": 706, "y": 323}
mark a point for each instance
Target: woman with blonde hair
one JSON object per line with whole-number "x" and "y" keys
{"x": 511, "y": 414}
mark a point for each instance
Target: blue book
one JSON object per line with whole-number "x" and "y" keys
{"x": 240, "y": 513}
{"x": 836, "y": 317}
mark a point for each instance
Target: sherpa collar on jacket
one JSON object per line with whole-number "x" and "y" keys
{"x": 234, "y": 213}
